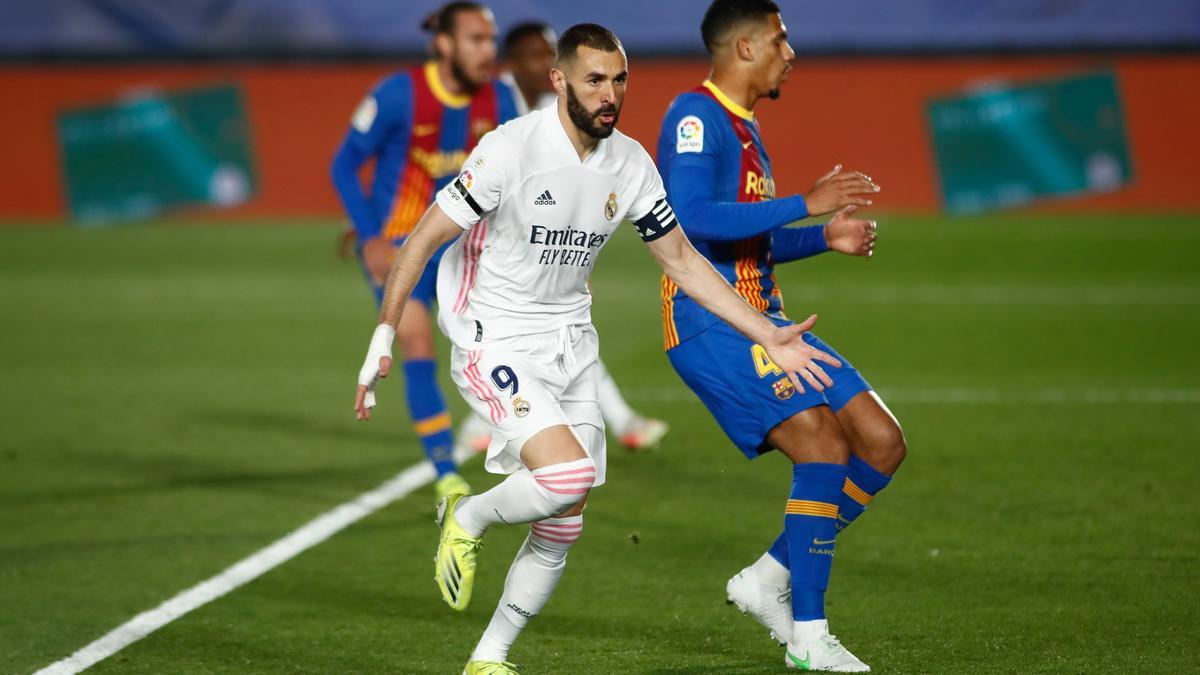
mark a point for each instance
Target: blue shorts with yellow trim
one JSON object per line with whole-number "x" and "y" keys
{"x": 746, "y": 393}
{"x": 424, "y": 292}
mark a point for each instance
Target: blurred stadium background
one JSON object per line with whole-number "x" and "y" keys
{"x": 180, "y": 339}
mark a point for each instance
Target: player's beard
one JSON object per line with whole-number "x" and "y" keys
{"x": 773, "y": 94}
{"x": 586, "y": 120}
{"x": 460, "y": 73}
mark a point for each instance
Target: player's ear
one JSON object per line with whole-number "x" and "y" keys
{"x": 745, "y": 48}
{"x": 443, "y": 45}
{"x": 559, "y": 80}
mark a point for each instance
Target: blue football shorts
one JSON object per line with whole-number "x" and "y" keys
{"x": 746, "y": 392}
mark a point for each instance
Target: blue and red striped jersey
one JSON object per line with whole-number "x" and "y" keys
{"x": 710, "y": 155}
{"x": 419, "y": 135}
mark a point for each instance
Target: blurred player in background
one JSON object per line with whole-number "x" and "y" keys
{"x": 419, "y": 126}
{"x": 529, "y": 56}
{"x": 514, "y": 301}
{"x": 843, "y": 441}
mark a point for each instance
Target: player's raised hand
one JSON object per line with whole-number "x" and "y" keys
{"x": 849, "y": 235}
{"x": 375, "y": 367}
{"x": 789, "y": 351}
{"x": 838, "y": 189}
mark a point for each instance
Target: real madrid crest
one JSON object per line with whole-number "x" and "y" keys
{"x": 610, "y": 207}
{"x": 520, "y": 406}
{"x": 784, "y": 389}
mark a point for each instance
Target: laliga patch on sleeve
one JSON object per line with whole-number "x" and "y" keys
{"x": 364, "y": 115}
{"x": 689, "y": 135}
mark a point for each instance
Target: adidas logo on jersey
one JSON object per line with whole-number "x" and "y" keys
{"x": 544, "y": 199}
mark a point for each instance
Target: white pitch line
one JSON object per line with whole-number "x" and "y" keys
{"x": 314, "y": 532}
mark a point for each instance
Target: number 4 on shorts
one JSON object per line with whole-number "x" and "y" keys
{"x": 762, "y": 363}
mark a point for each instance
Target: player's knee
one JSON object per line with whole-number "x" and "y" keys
{"x": 551, "y": 537}
{"x": 886, "y": 448}
{"x": 814, "y": 435}
{"x": 896, "y": 449}
{"x": 576, "y": 509}
{"x": 414, "y": 334}
{"x": 416, "y": 343}
{"x": 565, "y": 485}
{"x": 835, "y": 445}
{"x": 562, "y": 503}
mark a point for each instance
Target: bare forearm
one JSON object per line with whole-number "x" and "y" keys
{"x": 410, "y": 262}
{"x": 433, "y": 230}
{"x": 696, "y": 276}
{"x": 784, "y": 345}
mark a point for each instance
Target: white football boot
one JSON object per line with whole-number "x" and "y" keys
{"x": 821, "y": 651}
{"x": 643, "y": 433}
{"x": 771, "y": 606}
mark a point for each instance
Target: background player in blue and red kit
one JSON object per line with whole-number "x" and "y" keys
{"x": 842, "y": 440}
{"x": 419, "y": 126}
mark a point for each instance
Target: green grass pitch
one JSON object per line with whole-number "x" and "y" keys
{"x": 177, "y": 396}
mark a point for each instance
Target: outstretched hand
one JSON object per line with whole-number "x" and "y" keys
{"x": 789, "y": 351}
{"x": 851, "y": 236}
{"x": 839, "y": 189}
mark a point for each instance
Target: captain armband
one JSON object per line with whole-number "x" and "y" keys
{"x": 657, "y": 223}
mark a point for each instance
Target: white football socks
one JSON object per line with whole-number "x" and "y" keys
{"x": 807, "y": 631}
{"x": 526, "y": 496}
{"x": 770, "y": 572}
{"x": 531, "y": 579}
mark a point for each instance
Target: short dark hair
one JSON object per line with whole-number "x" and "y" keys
{"x": 723, "y": 15}
{"x": 591, "y": 35}
{"x": 524, "y": 30}
{"x": 443, "y": 20}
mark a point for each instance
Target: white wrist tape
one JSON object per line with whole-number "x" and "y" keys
{"x": 381, "y": 345}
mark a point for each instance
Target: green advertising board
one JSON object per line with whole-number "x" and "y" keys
{"x": 1010, "y": 146}
{"x": 153, "y": 151}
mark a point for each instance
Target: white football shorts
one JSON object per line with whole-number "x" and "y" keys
{"x": 527, "y": 383}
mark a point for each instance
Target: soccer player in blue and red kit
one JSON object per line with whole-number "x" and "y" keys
{"x": 419, "y": 126}
{"x": 842, "y": 440}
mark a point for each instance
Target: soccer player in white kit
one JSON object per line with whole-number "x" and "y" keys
{"x": 534, "y": 204}
{"x": 529, "y": 52}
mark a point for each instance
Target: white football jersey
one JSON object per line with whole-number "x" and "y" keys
{"x": 536, "y": 217}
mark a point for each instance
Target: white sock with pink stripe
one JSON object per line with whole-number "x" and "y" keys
{"x": 526, "y": 496}
{"x": 531, "y": 579}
